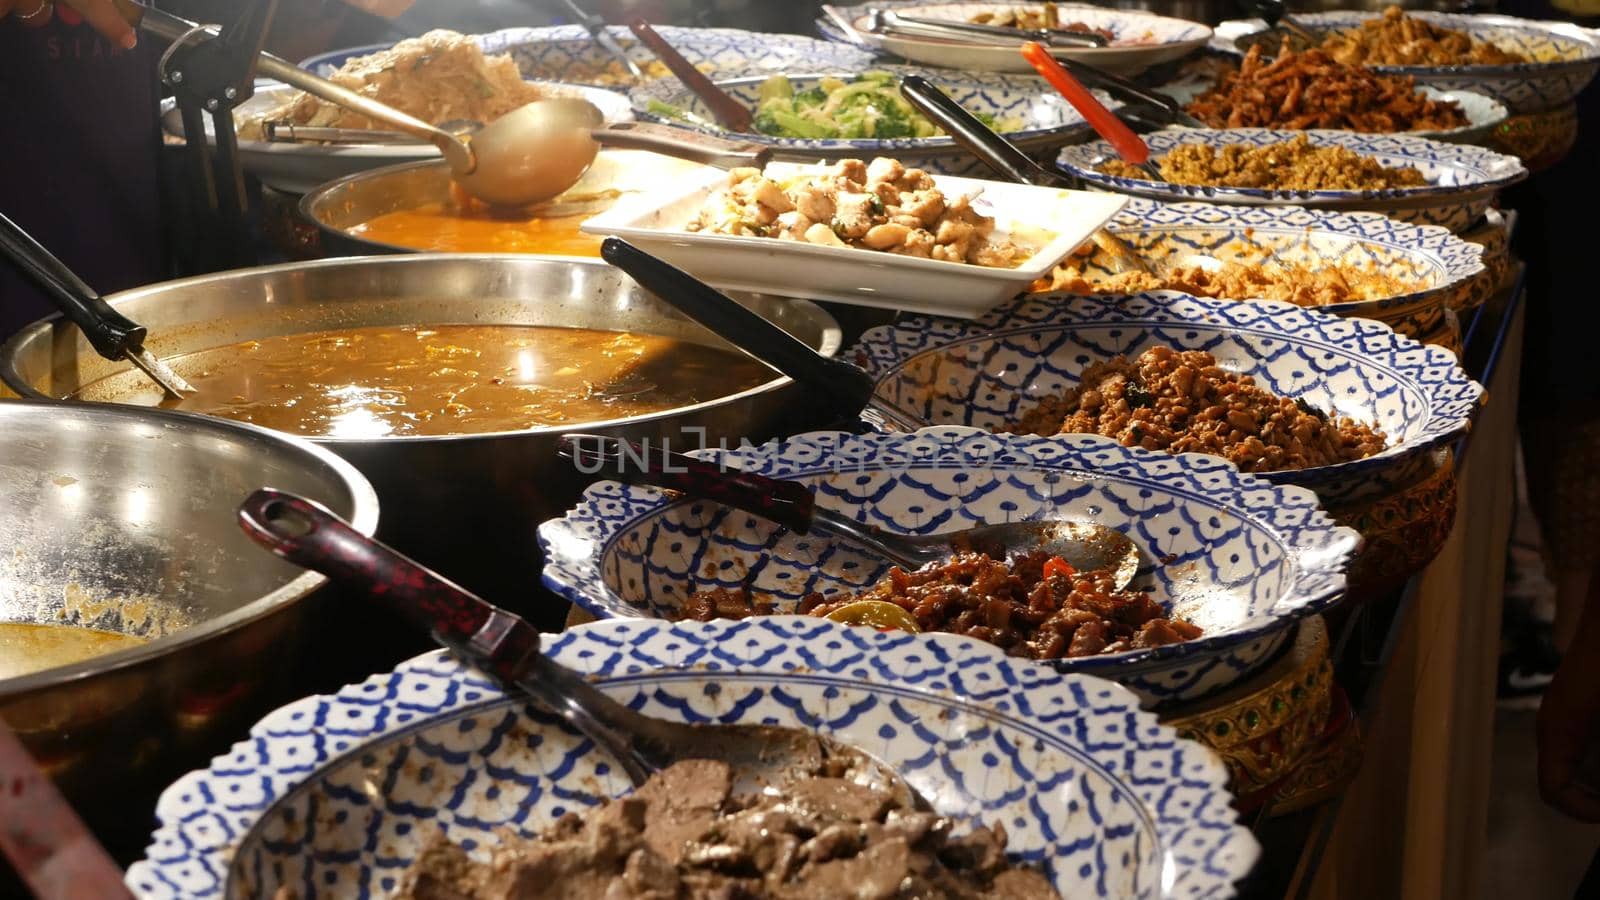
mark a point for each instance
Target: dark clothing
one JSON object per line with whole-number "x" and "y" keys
{"x": 1556, "y": 238}
{"x": 79, "y": 165}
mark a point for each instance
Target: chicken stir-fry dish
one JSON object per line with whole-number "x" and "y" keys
{"x": 437, "y": 77}
{"x": 883, "y": 206}
{"x": 1396, "y": 39}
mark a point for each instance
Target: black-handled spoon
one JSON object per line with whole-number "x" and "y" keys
{"x": 846, "y": 387}
{"x": 113, "y": 335}
{"x": 1083, "y": 545}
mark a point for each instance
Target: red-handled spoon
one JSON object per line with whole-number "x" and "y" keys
{"x": 1128, "y": 145}
{"x": 730, "y": 113}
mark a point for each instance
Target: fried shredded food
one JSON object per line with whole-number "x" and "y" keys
{"x": 883, "y": 206}
{"x": 439, "y": 76}
{"x": 1396, "y": 39}
{"x": 1032, "y": 604}
{"x": 1182, "y": 401}
{"x": 1296, "y": 283}
{"x": 1310, "y": 89}
{"x": 1292, "y": 165}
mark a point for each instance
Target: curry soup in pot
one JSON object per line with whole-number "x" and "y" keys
{"x": 435, "y": 380}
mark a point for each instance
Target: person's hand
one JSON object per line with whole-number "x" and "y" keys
{"x": 102, "y": 15}
{"x": 1569, "y": 726}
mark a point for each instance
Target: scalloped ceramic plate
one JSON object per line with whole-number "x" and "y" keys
{"x": 1033, "y": 117}
{"x": 1237, "y": 556}
{"x": 1142, "y": 39}
{"x": 1442, "y": 268}
{"x": 331, "y": 796}
{"x": 1462, "y": 180}
{"x": 567, "y": 53}
{"x": 985, "y": 373}
{"x": 1566, "y": 55}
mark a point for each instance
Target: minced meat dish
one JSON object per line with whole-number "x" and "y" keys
{"x": 683, "y": 835}
{"x": 1032, "y": 605}
{"x": 1181, "y": 401}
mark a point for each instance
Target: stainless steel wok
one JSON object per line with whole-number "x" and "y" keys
{"x": 468, "y": 505}
{"x": 124, "y": 519}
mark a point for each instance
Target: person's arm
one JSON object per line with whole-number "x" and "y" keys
{"x": 101, "y": 14}
{"x": 1569, "y": 723}
{"x": 104, "y": 17}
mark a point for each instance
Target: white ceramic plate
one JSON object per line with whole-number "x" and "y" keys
{"x": 655, "y": 222}
{"x": 297, "y": 168}
{"x": 1160, "y": 39}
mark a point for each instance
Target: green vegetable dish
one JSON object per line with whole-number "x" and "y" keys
{"x": 868, "y": 107}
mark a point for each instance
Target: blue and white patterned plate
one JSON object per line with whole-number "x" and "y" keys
{"x": 1565, "y": 55}
{"x": 566, "y": 52}
{"x": 986, "y": 373}
{"x": 1142, "y": 39}
{"x": 1462, "y": 181}
{"x": 1443, "y": 267}
{"x": 1239, "y": 557}
{"x": 1032, "y": 116}
{"x": 332, "y": 796}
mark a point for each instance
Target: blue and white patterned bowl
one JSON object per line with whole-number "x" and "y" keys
{"x": 985, "y": 373}
{"x": 1444, "y": 268}
{"x": 1239, "y": 557}
{"x": 332, "y": 796}
{"x": 1044, "y": 121}
{"x": 566, "y": 52}
{"x": 1462, "y": 180}
{"x": 1566, "y": 56}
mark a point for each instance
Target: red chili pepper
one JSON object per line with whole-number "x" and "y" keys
{"x": 1058, "y": 566}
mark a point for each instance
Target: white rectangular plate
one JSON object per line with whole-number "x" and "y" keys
{"x": 655, "y": 222}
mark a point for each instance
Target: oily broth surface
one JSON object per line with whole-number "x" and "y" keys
{"x": 26, "y": 648}
{"x": 442, "y": 227}
{"x": 442, "y": 379}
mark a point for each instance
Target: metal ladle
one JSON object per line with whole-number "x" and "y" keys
{"x": 1085, "y": 546}
{"x": 526, "y": 156}
{"x": 507, "y": 648}
{"x": 113, "y": 335}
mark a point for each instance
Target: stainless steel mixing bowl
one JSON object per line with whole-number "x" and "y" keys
{"x": 466, "y": 505}
{"x": 124, "y": 519}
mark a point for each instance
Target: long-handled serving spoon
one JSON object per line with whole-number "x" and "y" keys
{"x": 1084, "y": 546}
{"x": 729, "y": 113}
{"x": 505, "y": 647}
{"x": 113, "y": 335}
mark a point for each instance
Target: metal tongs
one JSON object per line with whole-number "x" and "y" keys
{"x": 596, "y": 27}
{"x": 284, "y": 131}
{"x": 882, "y": 21}
{"x": 1276, "y": 14}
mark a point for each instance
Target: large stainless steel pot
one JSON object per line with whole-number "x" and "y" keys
{"x": 124, "y": 519}
{"x": 336, "y": 208}
{"x": 466, "y": 505}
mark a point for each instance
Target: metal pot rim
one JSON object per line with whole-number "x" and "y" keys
{"x": 832, "y": 341}
{"x": 363, "y": 517}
